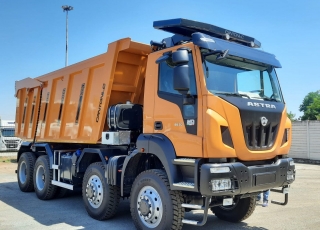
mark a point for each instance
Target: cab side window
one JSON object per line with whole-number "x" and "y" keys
{"x": 166, "y": 77}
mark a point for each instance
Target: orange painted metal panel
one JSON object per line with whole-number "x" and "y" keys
{"x": 158, "y": 109}
{"x": 222, "y": 113}
{"x": 75, "y": 99}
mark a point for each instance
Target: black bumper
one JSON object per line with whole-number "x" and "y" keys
{"x": 247, "y": 179}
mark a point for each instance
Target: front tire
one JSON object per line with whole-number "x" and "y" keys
{"x": 101, "y": 200}
{"x": 25, "y": 172}
{"x": 241, "y": 210}
{"x": 42, "y": 177}
{"x": 153, "y": 205}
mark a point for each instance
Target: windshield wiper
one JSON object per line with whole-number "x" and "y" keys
{"x": 235, "y": 94}
{"x": 267, "y": 98}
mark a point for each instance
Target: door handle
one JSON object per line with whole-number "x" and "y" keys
{"x": 158, "y": 125}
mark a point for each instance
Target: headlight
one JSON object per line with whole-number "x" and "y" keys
{"x": 291, "y": 163}
{"x": 220, "y": 170}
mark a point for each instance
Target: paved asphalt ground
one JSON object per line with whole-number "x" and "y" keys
{"x": 20, "y": 210}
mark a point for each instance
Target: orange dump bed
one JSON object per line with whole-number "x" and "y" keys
{"x": 75, "y": 99}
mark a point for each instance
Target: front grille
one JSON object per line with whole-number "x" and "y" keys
{"x": 11, "y": 141}
{"x": 260, "y": 137}
{"x": 11, "y": 144}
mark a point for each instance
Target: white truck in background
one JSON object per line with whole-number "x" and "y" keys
{"x": 8, "y": 140}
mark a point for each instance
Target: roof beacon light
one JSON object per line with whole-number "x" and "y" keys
{"x": 187, "y": 27}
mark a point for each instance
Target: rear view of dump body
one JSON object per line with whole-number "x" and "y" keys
{"x": 75, "y": 99}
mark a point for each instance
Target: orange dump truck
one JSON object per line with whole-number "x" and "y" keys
{"x": 196, "y": 121}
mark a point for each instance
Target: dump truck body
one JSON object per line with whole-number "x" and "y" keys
{"x": 75, "y": 99}
{"x": 197, "y": 121}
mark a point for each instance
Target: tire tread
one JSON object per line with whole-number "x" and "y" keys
{"x": 234, "y": 216}
{"x": 51, "y": 189}
{"x": 114, "y": 197}
{"x": 176, "y": 197}
{"x": 31, "y": 159}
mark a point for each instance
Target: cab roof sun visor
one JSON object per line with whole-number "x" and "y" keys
{"x": 184, "y": 28}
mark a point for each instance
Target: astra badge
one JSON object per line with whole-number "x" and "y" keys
{"x": 264, "y": 105}
{"x": 264, "y": 121}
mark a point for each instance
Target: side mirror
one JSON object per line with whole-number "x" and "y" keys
{"x": 181, "y": 80}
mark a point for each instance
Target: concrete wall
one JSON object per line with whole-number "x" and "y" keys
{"x": 305, "y": 140}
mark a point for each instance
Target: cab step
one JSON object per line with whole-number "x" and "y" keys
{"x": 204, "y": 207}
{"x": 184, "y": 161}
{"x": 184, "y": 185}
{"x": 192, "y": 222}
{"x": 193, "y": 206}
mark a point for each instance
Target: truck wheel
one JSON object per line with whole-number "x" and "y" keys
{"x": 153, "y": 205}
{"x": 241, "y": 210}
{"x": 101, "y": 200}
{"x": 25, "y": 172}
{"x": 42, "y": 177}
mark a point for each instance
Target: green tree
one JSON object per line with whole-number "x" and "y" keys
{"x": 291, "y": 116}
{"x": 311, "y": 106}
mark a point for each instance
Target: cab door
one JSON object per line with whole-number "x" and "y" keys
{"x": 176, "y": 115}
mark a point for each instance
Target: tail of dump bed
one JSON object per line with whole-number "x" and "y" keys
{"x": 75, "y": 99}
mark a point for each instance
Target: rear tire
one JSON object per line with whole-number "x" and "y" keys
{"x": 153, "y": 205}
{"x": 42, "y": 177}
{"x": 240, "y": 211}
{"x": 101, "y": 200}
{"x": 25, "y": 172}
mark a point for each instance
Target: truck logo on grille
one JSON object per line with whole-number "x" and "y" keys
{"x": 264, "y": 121}
{"x": 264, "y": 105}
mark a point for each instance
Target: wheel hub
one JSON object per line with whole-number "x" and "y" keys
{"x": 23, "y": 172}
{"x": 91, "y": 191}
{"x": 40, "y": 177}
{"x": 149, "y": 207}
{"x": 144, "y": 207}
{"x": 94, "y": 191}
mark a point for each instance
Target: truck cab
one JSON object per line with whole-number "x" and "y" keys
{"x": 233, "y": 107}
{"x": 8, "y": 140}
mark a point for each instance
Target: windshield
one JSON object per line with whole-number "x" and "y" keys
{"x": 7, "y": 132}
{"x": 240, "y": 77}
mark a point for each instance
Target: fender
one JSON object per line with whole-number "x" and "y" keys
{"x": 27, "y": 147}
{"x": 160, "y": 146}
{"x": 90, "y": 155}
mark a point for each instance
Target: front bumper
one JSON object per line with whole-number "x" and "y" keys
{"x": 247, "y": 179}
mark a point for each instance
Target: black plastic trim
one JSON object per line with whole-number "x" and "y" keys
{"x": 160, "y": 146}
{"x": 104, "y": 154}
{"x": 247, "y": 179}
{"x": 112, "y": 173}
{"x": 226, "y": 136}
{"x": 48, "y": 150}
{"x": 25, "y": 147}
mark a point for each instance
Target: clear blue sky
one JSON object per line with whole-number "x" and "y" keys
{"x": 32, "y": 37}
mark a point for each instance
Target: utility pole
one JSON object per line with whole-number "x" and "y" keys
{"x": 67, "y": 9}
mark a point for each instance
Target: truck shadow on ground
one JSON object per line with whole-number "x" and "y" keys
{"x": 70, "y": 212}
